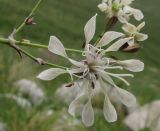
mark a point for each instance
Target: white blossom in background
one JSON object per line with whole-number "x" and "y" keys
{"x": 67, "y": 94}
{"x": 147, "y": 116}
{"x": 3, "y": 126}
{"x": 50, "y": 112}
{"x": 155, "y": 126}
{"x": 66, "y": 122}
{"x": 120, "y": 9}
{"x": 30, "y": 88}
{"x": 94, "y": 71}
{"x": 24, "y": 103}
{"x": 134, "y": 32}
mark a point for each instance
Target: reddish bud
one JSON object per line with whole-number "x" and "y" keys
{"x": 40, "y": 61}
{"x": 30, "y": 21}
{"x": 131, "y": 49}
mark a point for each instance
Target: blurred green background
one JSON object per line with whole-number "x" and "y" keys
{"x": 66, "y": 20}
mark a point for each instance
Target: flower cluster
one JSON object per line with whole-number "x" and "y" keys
{"x": 120, "y": 9}
{"x": 94, "y": 73}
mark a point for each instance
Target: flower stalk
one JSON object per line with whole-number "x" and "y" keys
{"x": 6, "y": 42}
{"x": 31, "y": 13}
{"x": 41, "y": 61}
{"x": 34, "y": 45}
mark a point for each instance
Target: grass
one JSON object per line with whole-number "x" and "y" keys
{"x": 66, "y": 20}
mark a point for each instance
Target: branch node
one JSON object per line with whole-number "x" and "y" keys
{"x": 12, "y": 43}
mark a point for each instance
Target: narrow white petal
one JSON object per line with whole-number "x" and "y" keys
{"x": 88, "y": 114}
{"x": 75, "y": 70}
{"x": 125, "y": 97}
{"x": 140, "y": 26}
{"x": 75, "y": 104}
{"x": 128, "y": 10}
{"x": 132, "y": 65}
{"x": 89, "y": 29}
{"x": 138, "y": 15}
{"x": 127, "y": 2}
{"x": 120, "y": 76}
{"x": 82, "y": 95}
{"x": 76, "y": 63}
{"x": 117, "y": 45}
{"x": 50, "y": 74}
{"x": 105, "y": 86}
{"x": 129, "y": 28}
{"x": 109, "y": 37}
{"x": 124, "y": 80}
{"x": 108, "y": 67}
{"x": 109, "y": 111}
{"x": 106, "y": 77}
{"x": 56, "y": 47}
{"x": 141, "y": 37}
{"x": 89, "y": 54}
{"x": 131, "y": 42}
{"x": 122, "y": 17}
{"x": 102, "y": 6}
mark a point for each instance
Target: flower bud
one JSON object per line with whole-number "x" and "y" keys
{"x": 131, "y": 49}
{"x": 40, "y": 61}
{"x": 30, "y": 21}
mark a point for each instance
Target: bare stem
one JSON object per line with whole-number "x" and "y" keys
{"x": 35, "y": 45}
{"x": 110, "y": 24}
{"x": 31, "y": 13}
{"x": 41, "y": 61}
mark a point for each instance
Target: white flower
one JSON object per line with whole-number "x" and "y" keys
{"x": 50, "y": 112}
{"x": 24, "y": 103}
{"x": 138, "y": 15}
{"x": 3, "y": 126}
{"x": 120, "y": 9}
{"x": 67, "y": 92}
{"x": 94, "y": 71}
{"x": 31, "y": 89}
{"x": 134, "y": 32}
{"x": 147, "y": 116}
